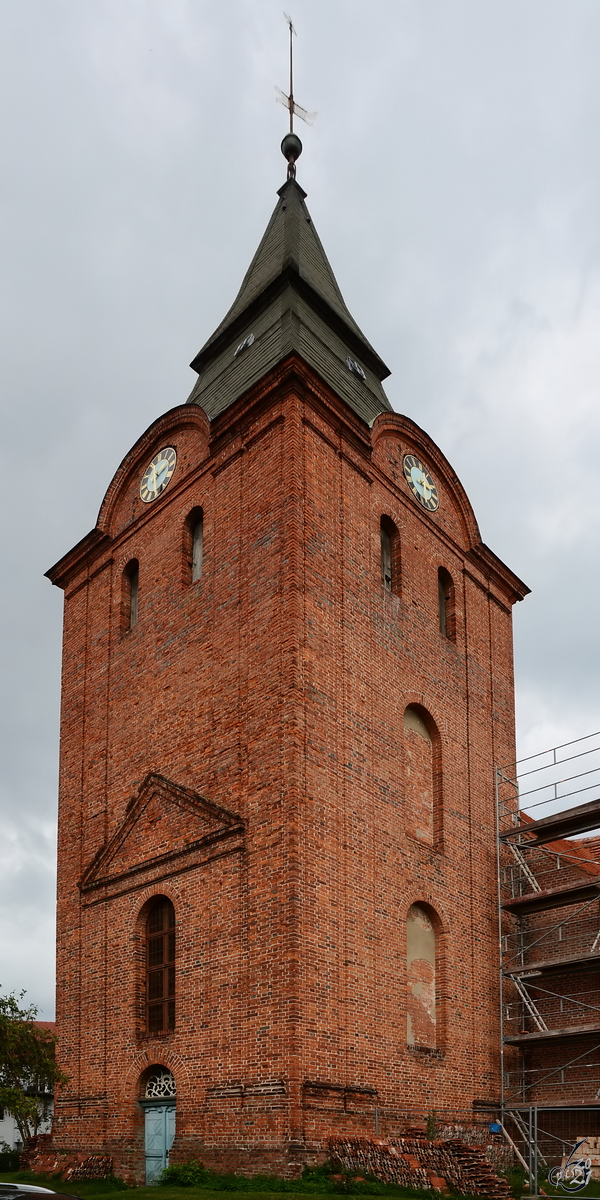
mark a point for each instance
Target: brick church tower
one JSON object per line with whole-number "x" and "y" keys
{"x": 287, "y": 676}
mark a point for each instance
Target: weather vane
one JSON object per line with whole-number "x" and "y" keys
{"x": 291, "y": 146}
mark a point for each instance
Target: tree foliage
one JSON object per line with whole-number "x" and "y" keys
{"x": 28, "y": 1069}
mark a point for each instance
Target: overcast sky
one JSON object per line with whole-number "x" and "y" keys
{"x": 453, "y": 175}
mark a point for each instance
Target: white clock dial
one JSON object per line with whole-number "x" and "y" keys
{"x": 158, "y": 474}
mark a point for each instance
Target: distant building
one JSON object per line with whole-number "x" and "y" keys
{"x": 287, "y": 677}
{"x": 9, "y": 1134}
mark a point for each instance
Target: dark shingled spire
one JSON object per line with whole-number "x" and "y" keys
{"x": 289, "y": 302}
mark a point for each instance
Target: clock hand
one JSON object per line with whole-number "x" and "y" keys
{"x": 425, "y": 485}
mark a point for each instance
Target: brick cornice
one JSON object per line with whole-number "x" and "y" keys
{"x": 79, "y": 559}
{"x": 494, "y": 569}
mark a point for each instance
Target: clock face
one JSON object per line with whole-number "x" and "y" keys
{"x": 420, "y": 483}
{"x": 157, "y": 474}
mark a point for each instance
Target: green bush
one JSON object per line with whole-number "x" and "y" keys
{"x": 516, "y": 1179}
{"x": 9, "y": 1159}
{"x": 194, "y": 1174}
{"x": 186, "y": 1174}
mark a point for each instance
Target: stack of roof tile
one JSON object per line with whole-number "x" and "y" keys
{"x": 97, "y": 1166}
{"x": 418, "y": 1163}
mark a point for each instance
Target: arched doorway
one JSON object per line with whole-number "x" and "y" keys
{"x": 158, "y": 1103}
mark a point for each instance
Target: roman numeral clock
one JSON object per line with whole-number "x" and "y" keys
{"x": 420, "y": 483}
{"x": 158, "y": 474}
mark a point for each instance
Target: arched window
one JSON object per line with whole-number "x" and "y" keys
{"x": 447, "y": 605}
{"x": 131, "y": 587}
{"x": 160, "y": 1084}
{"x": 423, "y": 775}
{"x": 193, "y": 546}
{"x": 160, "y": 966}
{"x": 420, "y": 978}
{"x": 390, "y": 555}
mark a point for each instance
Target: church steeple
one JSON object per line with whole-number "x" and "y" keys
{"x": 275, "y": 811}
{"x": 289, "y": 302}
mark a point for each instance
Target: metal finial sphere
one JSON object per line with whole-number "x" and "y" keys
{"x": 291, "y": 148}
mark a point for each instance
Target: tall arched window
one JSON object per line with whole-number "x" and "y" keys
{"x": 421, "y": 1015}
{"x": 130, "y": 594}
{"x": 390, "y": 555}
{"x": 423, "y": 775}
{"x": 160, "y": 966}
{"x": 447, "y": 604}
{"x": 193, "y": 546}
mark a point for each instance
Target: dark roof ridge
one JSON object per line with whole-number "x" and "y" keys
{"x": 290, "y": 252}
{"x": 289, "y": 302}
{"x": 291, "y": 277}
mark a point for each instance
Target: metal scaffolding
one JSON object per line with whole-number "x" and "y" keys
{"x": 548, "y": 853}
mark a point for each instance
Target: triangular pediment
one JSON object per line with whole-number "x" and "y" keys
{"x": 162, "y": 822}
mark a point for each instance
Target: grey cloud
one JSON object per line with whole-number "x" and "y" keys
{"x": 453, "y": 176}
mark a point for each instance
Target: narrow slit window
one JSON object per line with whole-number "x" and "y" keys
{"x": 131, "y": 589}
{"x": 197, "y": 547}
{"x": 446, "y": 604}
{"x": 193, "y": 546}
{"x": 386, "y": 560}
{"x": 390, "y": 555}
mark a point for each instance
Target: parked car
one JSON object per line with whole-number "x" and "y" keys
{"x": 13, "y": 1191}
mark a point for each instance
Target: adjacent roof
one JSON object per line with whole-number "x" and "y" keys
{"x": 571, "y": 821}
{"x": 289, "y": 302}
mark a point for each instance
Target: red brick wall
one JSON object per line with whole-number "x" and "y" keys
{"x": 275, "y": 688}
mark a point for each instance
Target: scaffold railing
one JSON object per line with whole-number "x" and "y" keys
{"x": 548, "y": 855}
{"x": 550, "y": 781}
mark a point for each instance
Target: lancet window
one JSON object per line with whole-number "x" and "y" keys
{"x": 193, "y": 546}
{"x": 160, "y": 966}
{"x": 130, "y": 594}
{"x": 390, "y": 555}
{"x": 447, "y": 604}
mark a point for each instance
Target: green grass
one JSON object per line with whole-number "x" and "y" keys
{"x": 321, "y": 1180}
{"x": 517, "y": 1176}
{"x": 592, "y": 1189}
{"x": 83, "y": 1188}
{"x": 235, "y": 1186}
{"x": 315, "y": 1183}
{"x": 76, "y": 1187}
{"x": 92, "y": 1187}
{"x": 97, "y": 1187}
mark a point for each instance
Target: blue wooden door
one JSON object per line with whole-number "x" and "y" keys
{"x": 159, "y": 1134}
